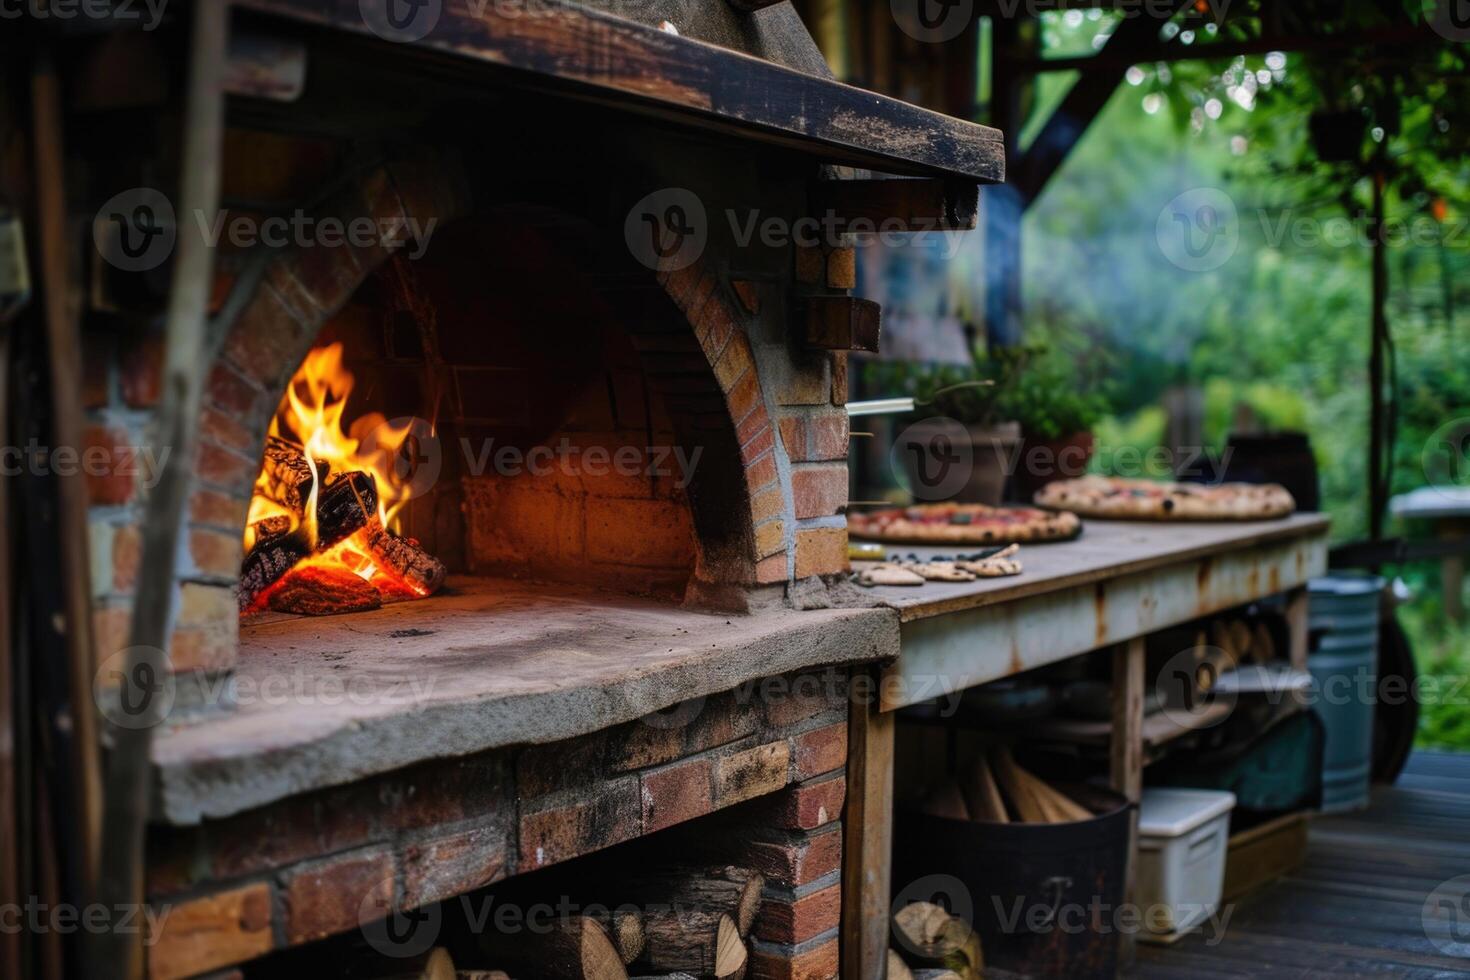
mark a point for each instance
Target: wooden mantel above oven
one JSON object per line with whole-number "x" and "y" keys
{"x": 589, "y": 55}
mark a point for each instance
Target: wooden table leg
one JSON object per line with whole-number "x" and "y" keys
{"x": 867, "y": 857}
{"x": 1126, "y": 763}
{"x": 1452, "y": 573}
{"x": 1296, "y": 628}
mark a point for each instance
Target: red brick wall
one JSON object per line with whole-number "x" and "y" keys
{"x": 767, "y": 762}
{"x": 272, "y": 324}
{"x": 763, "y": 506}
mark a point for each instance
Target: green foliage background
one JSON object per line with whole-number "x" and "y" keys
{"x": 1283, "y": 325}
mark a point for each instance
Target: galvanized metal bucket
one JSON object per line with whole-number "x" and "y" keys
{"x": 1343, "y": 624}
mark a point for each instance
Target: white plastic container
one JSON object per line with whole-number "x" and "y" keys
{"x": 1183, "y": 835}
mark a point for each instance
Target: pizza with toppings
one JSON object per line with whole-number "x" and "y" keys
{"x": 1152, "y": 500}
{"x": 956, "y": 523}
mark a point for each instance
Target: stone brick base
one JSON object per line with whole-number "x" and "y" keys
{"x": 769, "y": 758}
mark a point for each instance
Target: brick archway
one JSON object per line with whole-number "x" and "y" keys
{"x": 689, "y": 326}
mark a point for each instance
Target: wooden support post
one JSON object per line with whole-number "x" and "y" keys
{"x": 176, "y": 424}
{"x": 58, "y": 279}
{"x": 1126, "y": 768}
{"x": 1452, "y": 569}
{"x": 1296, "y": 628}
{"x": 867, "y": 856}
{"x": 1378, "y": 342}
{"x": 12, "y": 742}
{"x": 1012, "y": 39}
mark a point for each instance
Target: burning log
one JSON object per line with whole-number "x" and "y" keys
{"x": 264, "y": 565}
{"x": 268, "y": 528}
{"x": 344, "y": 507}
{"x": 323, "y": 591}
{"x": 404, "y": 558}
{"x": 274, "y": 553}
{"x": 286, "y": 474}
{"x": 573, "y": 948}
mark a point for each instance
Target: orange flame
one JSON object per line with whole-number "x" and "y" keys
{"x": 311, "y": 415}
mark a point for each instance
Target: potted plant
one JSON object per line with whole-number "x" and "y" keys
{"x": 1056, "y": 412}
{"x": 963, "y": 445}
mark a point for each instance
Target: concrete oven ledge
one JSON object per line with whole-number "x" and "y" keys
{"x": 485, "y": 664}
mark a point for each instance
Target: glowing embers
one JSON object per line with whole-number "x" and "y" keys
{"x": 319, "y": 536}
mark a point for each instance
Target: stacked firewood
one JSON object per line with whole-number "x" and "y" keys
{"x": 436, "y": 964}
{"x": 994, "y": 789}
{"x": 1207, "y": 651}
{"x": 933, "y": 945}
{"x": 346, "y": 504}
{"x": 665, "y": 922}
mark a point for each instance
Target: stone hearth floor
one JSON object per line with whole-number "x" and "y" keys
{"x": 483, "y": 664}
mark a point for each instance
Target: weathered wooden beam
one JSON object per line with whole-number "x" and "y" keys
{"x": 897, "y": 205}
{"x": 843, "y": 323}
{"x": 571, "y": 50}
{"x": 1082, "y": 103}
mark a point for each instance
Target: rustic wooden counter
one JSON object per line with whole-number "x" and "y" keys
{"x": 1117, "y": 583}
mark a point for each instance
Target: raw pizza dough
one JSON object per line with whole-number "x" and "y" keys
{"x": 963, "y": 524}
{"x": 1150, "y": 500}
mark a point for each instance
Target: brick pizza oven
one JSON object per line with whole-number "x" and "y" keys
{"x": 631, "y": 468}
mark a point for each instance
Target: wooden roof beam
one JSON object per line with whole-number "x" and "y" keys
{"x": 573, "y": 51}
{"x": 1083, "y": 102}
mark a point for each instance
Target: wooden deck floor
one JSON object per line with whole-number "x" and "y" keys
{"x": 1354, "y": 909}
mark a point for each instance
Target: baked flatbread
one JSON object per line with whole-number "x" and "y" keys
{"x": 955, "y": 523}
{"x": 1152, "y": 500}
